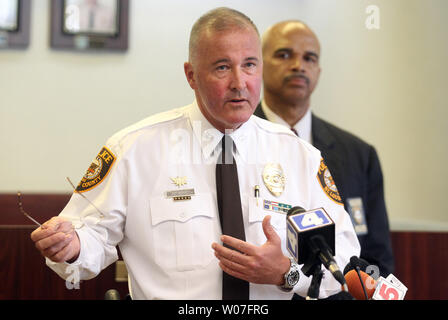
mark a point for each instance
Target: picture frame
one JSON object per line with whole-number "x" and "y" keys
{"x": 15, "y": 24}
{"x": 86, "y": 25}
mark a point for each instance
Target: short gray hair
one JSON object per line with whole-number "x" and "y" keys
{"x": 219, "y": 19}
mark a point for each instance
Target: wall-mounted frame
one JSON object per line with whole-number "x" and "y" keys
{"x": 90, "y": 24}
{"x": 15, "y": 23}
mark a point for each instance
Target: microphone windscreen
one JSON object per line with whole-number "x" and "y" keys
{"x": 355, "y": 287}
{"x": 295, "y": 210}
{"x": 361, "y": 263}
{"x": 112, "y": 294}
{"x": 356, "y": 262}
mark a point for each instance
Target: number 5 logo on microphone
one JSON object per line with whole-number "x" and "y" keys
{"x": 385, "y": 290}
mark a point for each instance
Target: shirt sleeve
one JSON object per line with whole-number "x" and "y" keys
{"x": 97, "y": 210}
{"x": 324, "y": 195}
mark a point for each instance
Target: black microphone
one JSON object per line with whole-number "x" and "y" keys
{"x": 311, "y": 240}
{"x": 364, "y": 282}
{"x": 112, "y": 294}
{"x": 357, "y": 264}
{"x": 360, "y": 284}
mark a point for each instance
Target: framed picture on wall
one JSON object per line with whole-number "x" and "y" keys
{"x": 14, "y": 23}
{"x": 89, "y": 24}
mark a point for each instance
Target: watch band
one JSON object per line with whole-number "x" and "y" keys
{"x": 291, "y": 276}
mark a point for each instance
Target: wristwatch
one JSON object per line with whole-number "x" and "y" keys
{"x": 291, "y": 276}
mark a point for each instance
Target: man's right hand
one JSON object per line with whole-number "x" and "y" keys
{"x": 57, "y": 240}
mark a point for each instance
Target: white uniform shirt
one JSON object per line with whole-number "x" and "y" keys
{"x": 166, "y": 244}
{"x": 303, "y": 126}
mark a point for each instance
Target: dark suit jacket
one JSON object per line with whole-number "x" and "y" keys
{"x": 355, "y": 168}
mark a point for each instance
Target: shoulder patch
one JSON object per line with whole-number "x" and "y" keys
{"x": 97, "y": 171}
{"x": 327, "y": 183}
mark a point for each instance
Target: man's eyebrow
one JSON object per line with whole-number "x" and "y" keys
{"x": 289, "y": 50}
{"x": 251, "y": 59}
{"x": 225, "y": 60}
{"x": 312, "y": 53}
{"x": 283, "y": 50}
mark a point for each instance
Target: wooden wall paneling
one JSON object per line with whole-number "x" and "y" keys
{"x": 421, "y": 258}
{"x": 25, "y": 274}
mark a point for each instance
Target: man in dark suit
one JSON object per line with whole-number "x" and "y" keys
{"x": 291, "y": 54}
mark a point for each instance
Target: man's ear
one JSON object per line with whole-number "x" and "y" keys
{"x": 189, "y": 73}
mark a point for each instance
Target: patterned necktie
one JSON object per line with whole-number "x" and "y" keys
{"x": 230, "y": 214}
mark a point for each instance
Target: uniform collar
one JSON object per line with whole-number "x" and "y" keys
{"x": 209, "y": 137}
{"x": 303, "y": 126}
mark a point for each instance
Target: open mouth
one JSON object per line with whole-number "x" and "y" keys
{"x": 237, "y": 100}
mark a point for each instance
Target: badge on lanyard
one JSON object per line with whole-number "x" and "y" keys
{"x": 357, "y": 215}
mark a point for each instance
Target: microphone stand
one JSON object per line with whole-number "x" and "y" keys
{"x": 313, "y": 267}
{"x": 314, "y": 288}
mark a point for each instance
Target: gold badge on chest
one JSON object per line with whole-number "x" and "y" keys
{"x": 274, "y": 178}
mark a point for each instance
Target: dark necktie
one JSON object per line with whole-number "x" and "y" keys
{"x": 230, "y": 214}
{"x": 295, "y": 131}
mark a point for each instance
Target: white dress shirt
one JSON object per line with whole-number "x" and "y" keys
{"x": 166, "y": 244}
{"x": 303, "y": 126}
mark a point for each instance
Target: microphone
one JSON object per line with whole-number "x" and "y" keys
{"x": 311, "y": 240}
{"x": 389, "y": 289}
{"x": 359, "y": 263}
{"x": 363, "y": 287}
{"x": 112, "y": 294}
{"x": 353, "y": 269}
{"x": 356, "y": 285}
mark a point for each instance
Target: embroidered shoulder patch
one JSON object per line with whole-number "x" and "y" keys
{"x": 327, "y": 183}
{"x": 97, "y": 171}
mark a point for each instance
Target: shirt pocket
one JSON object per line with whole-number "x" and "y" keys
{"x": 256, "y": 216}
{"x": 183, "y": 232}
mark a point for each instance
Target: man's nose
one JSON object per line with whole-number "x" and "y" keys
{"x": 296, "y": 65}
{"x": 238, "y": 82}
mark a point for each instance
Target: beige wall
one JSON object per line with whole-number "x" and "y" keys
{"x": 387, "y": 86}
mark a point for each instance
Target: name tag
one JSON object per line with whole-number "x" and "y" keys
{"x": 357, "y": 215}
{"x": 177, "y": 195}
